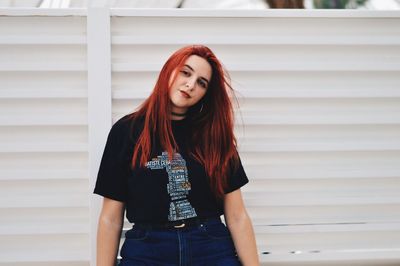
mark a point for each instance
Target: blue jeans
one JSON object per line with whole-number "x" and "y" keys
{"x": 208, "y": 244}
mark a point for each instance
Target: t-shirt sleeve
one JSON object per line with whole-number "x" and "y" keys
{"x": 238, "y": 179}
{"x": 112, "y": 175}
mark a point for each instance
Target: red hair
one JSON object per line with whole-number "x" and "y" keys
{"x": 213, "y": 143}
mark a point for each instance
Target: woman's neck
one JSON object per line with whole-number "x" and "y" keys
{"x": 178, "y": 116}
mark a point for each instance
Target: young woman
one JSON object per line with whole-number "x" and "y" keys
{"x": 174, "y": 166}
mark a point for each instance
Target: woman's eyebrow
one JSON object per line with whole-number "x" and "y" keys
{"x": 191, "y": 68}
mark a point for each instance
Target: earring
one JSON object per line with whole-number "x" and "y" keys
{"x": 201, "y": 109}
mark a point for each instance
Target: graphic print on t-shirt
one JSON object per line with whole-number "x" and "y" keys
{"x": 178, "y": 186}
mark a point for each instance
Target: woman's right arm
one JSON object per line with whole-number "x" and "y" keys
{"x": 109, "y": 231}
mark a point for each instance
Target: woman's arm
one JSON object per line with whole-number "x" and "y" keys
{"x": 239, "y": 224}
{"x": 109, "y": 232}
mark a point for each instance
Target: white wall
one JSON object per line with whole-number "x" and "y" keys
{"x": 44, "y": 200}
{"x": 318, "y": 126}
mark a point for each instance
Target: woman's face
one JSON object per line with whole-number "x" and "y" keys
{"x": 191, "y": 83}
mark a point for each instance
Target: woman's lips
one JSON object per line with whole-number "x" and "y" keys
{"x": 184, "y": 94}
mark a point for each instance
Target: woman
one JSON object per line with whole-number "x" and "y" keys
{"x": 173, "y": 165}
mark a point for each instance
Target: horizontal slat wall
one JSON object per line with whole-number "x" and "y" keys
{"x": 318, "y": 124}
{"x": 44, "y": 197}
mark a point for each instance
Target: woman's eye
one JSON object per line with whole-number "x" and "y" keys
{"x": 184, "y": 72}
{"x": 203, "y": 84}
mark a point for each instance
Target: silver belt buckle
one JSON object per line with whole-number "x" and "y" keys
{"x": 179, "y": 226}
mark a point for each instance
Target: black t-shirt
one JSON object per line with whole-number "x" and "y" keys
{"x": 164, "y": 190}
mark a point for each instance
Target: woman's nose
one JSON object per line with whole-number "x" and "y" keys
{"x": 190, "y": 84}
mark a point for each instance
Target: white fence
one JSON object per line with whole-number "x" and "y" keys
{"x": 318, "y": 127}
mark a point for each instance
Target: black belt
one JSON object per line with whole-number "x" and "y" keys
{"x": 177, "y": 224}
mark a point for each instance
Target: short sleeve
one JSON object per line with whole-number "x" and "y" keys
{"x": 238, "y": 179}
{"x": 112, "y": 176}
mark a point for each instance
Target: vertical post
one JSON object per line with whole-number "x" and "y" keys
{"x": 99, "y": 104}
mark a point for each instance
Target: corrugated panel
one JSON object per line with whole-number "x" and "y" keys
{"x": 44, "y": 209}
{"x": 318, "y": 126}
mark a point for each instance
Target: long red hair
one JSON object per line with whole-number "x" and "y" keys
{"x": 213, "y": 143}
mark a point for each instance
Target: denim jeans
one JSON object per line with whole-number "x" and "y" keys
{"x": 208, "y": 244}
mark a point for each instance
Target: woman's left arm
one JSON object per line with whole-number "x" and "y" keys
{"x": 239, "y": 224}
